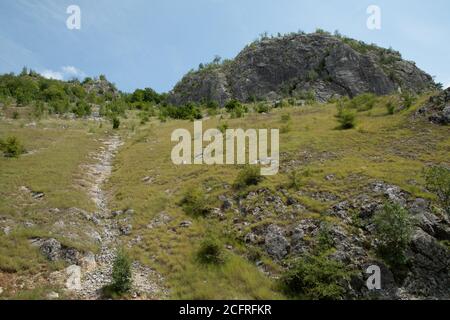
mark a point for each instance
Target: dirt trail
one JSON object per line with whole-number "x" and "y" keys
{"x": 145, "y": 280}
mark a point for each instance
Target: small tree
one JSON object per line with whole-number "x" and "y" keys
{"x": 394, "y": 231}
{"x": 346, "y": 118}
{"x": 12, "y": 147}
{"x": 121, "y": 274}
{"x": 438, "y": 182}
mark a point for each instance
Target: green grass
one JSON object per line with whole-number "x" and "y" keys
{"x": 393, "y": 148}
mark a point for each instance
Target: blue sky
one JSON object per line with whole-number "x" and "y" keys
{"x": 152, "y": 43}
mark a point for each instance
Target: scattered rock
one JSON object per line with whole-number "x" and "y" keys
{"x": 186, "y": 224}
{"x": 125, "y": 230}
{"x": 73, "y": 281}
{"x": 37, "y": 195}
{"x": 116, "y": 213}
{"x": 53, "y": 295}
{"x": 88, "y": 263}
{"x": 276, "y": 244}
{"x": 51, "y": 249}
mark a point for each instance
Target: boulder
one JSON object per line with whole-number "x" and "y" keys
{"x": 276, "y": 243}
{"x": 430, "y": 268}
{"x": 73, "y": 282}
{"x": 51, "y": 249}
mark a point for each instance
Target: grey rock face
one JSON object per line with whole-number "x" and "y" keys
{"x": 291, "y": 65}
{"x": 430, "y": 269}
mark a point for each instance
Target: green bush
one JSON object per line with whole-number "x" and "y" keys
{"x": 295, "y": 179}
{"x": 223, "y": 127}
{"x": 408, "y": 99}
{"x": 195, "y": 203}
{"x": 394, "y": 227}
{"x": 262, "y": 108}
{"x": 363, "y": 102}
{"x": 438, "y": 182}
{"x": 82, "y": 109}
{"x": 188, "y": 112}
{"x": 390, "y": 107}
{"x": 12, "y": 147}
{"x": 316, "y": 278}
{"x": 116, "y": 123}
{"x": 346, "y": 118}
{"x": 210, "y": 251}
{"x": 249, "y": 176}
{"x": 236, "y": 109}
{"x": 121, "y": 274}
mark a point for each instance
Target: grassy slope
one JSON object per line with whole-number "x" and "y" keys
{"x": 383, "y": 147}
{"x": 390, "y": 148}
{"x": 56, "y": 150}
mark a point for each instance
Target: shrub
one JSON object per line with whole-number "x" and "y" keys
{"x": 188, "y": 112}
{"x": 408, "y": 99}
{"x": 262, "y": 108}
{"x": 394, "y": 230}
{"x": 82, "y": 109}
{"x": 363, "y": 102}
{"x": 390, "y": 108}
{"x": 283, "y": 103}
{"x": 121, "y": 274}
{"x": 12, "y": 147}
{"x": 316, "y": 278}
{"x": 295, "y": 179}
{"x": 210, "y": 251}
{"x": 236, "y": 109}
{"x": 116, "y": 123}
{"x": 195, "y": 203}
{"x": 38, "y": 109}
{"x": 223, "y": 127}
{"x": 438, "y": 182}
{"x": 249, "y": 176}
{"x": 346, "y": 118}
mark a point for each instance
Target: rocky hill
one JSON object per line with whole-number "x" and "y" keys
{"x": 290, "y": 66}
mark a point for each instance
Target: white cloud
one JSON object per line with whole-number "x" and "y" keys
{"x": 72, "y": 71}
{"x": 66, "y": 73}
{"x": 49, "y": 74}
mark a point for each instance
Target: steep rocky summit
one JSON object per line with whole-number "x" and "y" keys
{"x": 297, "y": 64}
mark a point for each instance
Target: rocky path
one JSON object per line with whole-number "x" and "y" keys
{"x": 98, "y": 273}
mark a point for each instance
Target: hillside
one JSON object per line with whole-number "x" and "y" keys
{"x": 82, "y": 190}
{"x": 298, "y": 65}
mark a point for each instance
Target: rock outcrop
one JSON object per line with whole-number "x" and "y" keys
{"x": 293, "y": 65}
{"x": 438, "y": 108}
